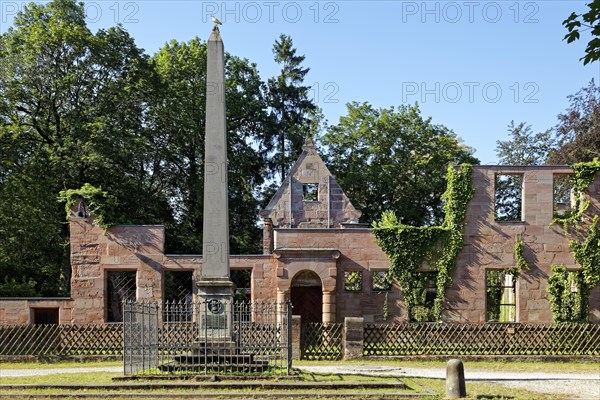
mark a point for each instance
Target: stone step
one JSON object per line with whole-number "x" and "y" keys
{"x": 214, "y": 357}
{"x": 257, "y": 366}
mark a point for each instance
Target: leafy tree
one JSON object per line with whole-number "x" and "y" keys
{"x": 393, "y": 159}
{"x": 290, "y": 104}
{"x": 178, "y": 122}
{"x": 71, "y": 107}
{"x": 578, "y": 129}
{"x": 590, "y": 20}
{"x": 524, "y": 147}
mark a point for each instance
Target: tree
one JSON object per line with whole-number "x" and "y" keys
{"x": 71, "y": 107}
{"x": 177, "y": 118}
{"x": 524, "y": 147}
{"x": 290, "y": 104}
{"x": 590, "y": 20}
{"x": 393, "y": 159}
{"x": 578, "y": 129}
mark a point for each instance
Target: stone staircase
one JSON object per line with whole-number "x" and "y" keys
{"x": 214, "y": 357}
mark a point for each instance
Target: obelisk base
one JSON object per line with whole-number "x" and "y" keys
{"x": 216, "y": 309}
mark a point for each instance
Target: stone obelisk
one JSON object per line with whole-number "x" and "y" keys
{"x": 215, "y": 287}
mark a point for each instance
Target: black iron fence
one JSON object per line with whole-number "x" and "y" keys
{"x": 207, "y": 337}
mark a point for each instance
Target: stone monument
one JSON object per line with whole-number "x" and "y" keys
{"x": 215, "y": 287}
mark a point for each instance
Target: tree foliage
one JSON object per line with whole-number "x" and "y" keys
{"x": 393, "y": 159}
{"x": 289, "y": 101}
{"x": 80, "y": 108}
{"x": 70, "y": 106}
{"x": 523, "y": 146}
{"x": 578, "y": 129}
{"x": 587, "y": 21}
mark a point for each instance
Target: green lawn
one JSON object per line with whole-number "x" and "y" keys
{"x": 475, "y": 390}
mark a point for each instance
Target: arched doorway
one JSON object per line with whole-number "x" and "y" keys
{"x": 307, "y": 296}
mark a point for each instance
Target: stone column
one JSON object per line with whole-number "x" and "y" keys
{"x": 215, "y": 287}
{"x": 296, "y": 330}
{"x": 328, "y": 306}
{"x": 267, "y": 236}
{"x": 353, "y": 337}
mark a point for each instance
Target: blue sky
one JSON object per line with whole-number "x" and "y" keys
{"x": 472, "y": 65}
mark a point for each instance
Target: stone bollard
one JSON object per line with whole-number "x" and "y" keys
{"x": 455, "y": 380}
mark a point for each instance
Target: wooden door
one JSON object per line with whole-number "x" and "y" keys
{"x": 308, "y": 303}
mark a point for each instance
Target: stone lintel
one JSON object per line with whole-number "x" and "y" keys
{"x": 296, "y": 252}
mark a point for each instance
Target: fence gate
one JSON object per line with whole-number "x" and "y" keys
{"x": 321, "y": 341}
{"x": 140, "y": 337}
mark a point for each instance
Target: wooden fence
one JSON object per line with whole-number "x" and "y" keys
{"x": 481, "y": 339}
{"x": 326, "y": 342}
{"x": 61, "y": 340}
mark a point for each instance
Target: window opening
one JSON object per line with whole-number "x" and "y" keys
{"x": 381, "y": 283}
{"x": 353, "y": 281}
{"x": 500, "y": 296}
{"x": 121, "y": 286}
{"x": 310, "y": 191}
{"x": 46, "y": 316}
{"x": 509, "y": 197}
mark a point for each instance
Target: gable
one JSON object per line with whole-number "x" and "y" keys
{"x": 310, "y": 197}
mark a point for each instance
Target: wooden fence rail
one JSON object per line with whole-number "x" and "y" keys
{"x": 320, "y": 343}
{"x": 481, "y": 339}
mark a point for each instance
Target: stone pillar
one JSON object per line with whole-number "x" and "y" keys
{"x": 328, "y": 307}
{"x": 296, "y": 329}
{"x": 353, "y": 337}
{"x": 455, "y": 380}
{"x": 267, "y": 236}
{"x": 215, "y": 287}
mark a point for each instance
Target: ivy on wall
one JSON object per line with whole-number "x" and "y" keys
{"x": 97, "y": 202}
{"x": 409, "y": 247}
{"x": 569, "y": 290}
{"x": 569, "y": 295}
{"x": 520, "y": 261}
{"x": 585, "y": 174}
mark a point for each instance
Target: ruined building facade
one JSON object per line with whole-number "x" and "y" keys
{"x": 316, "y": 254}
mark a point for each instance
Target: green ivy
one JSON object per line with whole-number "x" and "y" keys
{"x": 585, "y": 174}
{"x": 520, "y": 261}
{"x": 409, "y": 247}
{"x": 587, "y": 254}
{"x": 99, "y": 203}
{"x": 568, "y": 305}
{"x": 568, "y": 295}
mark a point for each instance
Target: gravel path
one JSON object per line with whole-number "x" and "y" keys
{"x": 579, "y": 386}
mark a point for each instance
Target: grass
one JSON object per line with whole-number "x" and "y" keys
{"x": 475, "y": 389}
{"x": 436, "y": 387}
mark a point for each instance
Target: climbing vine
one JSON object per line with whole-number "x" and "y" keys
{"x": 409, "y": 247}
{"x": 568, "y": 293}
{"x": 585, "y": 174}
{"x": 102, "y": 205}
{"x": 569, "y": 289}
{"x": 520, "y": 261}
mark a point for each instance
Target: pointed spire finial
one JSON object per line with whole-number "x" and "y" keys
{"x": 308, "y": 144}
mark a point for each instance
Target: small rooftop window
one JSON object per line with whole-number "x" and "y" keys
{"x": 310, "y": 191}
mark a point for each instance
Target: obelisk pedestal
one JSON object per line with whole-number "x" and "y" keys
{"x": 215, "y": 288}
